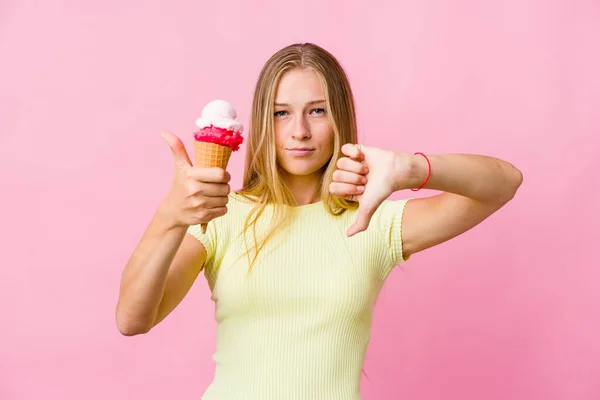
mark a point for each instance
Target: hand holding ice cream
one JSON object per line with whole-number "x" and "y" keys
{"x": 220, "y": 134}
{"x": 197, "y": 195}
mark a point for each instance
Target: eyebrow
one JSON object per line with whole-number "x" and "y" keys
{"x": 309, "y": 103}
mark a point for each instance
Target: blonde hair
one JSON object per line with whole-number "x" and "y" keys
{"x": 262, "y": 181}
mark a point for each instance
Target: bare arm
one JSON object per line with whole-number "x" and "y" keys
{"x": 159, "y": 274}
{"x": 474, "y": 188}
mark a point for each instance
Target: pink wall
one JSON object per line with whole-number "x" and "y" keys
{"x": 507, "y": 311}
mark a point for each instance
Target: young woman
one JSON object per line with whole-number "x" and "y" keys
{"x": 295, "y": 260}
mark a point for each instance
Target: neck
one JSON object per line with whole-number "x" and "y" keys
{"x": 304, "y": 189}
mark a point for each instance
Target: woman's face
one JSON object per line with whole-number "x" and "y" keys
{"x": 303, "y": 135}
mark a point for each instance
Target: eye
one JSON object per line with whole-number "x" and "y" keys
{"x": 280, "y": 113}
{"x": 318, "y": 111}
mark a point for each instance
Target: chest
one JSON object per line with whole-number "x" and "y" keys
{"x": 323, "y": 274}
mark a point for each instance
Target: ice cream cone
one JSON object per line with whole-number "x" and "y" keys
{"x": 220, "y": 134}
{"x": 209, "y": 155}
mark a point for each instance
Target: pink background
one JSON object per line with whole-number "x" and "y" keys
{"x": 510, "y": 310}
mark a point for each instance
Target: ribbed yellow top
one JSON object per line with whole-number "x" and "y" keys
{"x": 296, "y": 326}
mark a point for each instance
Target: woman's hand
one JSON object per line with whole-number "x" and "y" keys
{"x": 368, "y": 175}
{"x": 197, "y": 195}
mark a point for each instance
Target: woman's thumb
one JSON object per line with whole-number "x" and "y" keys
{"x": 362, "y": 220}
{"x": 177, "y": 147}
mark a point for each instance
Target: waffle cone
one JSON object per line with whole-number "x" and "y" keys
{"x": 209, "y": 155}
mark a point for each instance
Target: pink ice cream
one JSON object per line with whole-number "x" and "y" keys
{"x": 218, "y": 124}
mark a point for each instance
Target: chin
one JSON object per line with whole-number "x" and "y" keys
{"x": 302, "y": 169}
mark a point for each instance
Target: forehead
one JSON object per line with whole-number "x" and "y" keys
{"x": 299, "y": 86}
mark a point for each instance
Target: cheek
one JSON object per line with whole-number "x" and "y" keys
{"x": 323, "y": 131}
{"x": 328, "y": 138}
{"x": 279, "y": 136}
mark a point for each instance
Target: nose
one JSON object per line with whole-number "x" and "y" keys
{"x": 301, "y": 130}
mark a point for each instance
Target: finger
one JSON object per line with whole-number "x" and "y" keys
{"x": 210, "y": 203}
{"x": 353, "y": 151}
{"x": 349, "y": 177}
{"x": 362, "y": 221}
{"x": 215, "y": 212}
{"x": 345, "y": 190}
{"x": 179, "y": 153}
{"x": 196, "y": 189}
{"x": 209, "y": 175}
{"x": 350, "y": 165}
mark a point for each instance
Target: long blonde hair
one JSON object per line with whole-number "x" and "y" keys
{"x": 262, "y": 181}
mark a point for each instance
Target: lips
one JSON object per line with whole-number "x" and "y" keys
{"x": 300, "y": 151}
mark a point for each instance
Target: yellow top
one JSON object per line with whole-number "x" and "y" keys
{"x": 297, "y": 326}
